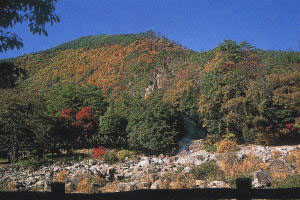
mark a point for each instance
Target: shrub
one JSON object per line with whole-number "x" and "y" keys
{"x": 210, "y": 147}
{"x": 226, "y": 146}
{"x": 123, "y": 154}
{"x": 110, "y": 157}
{"x": 207, "y": 171}
{"x": 98, "y": 152}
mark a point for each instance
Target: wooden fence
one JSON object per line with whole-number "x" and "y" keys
{"x": 243, "y": 191}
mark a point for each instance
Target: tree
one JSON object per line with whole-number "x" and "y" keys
{"x": 112, "y": 129}
{"x": 10, "y": 74}
{"x": 36, "y": 12}
{"x": 154, "y": 126}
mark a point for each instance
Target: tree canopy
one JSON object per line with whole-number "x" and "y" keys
{"x": 36, "y": 12}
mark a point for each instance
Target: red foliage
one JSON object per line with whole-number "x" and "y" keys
{"x": 289, "y": 126}
{"x": 98, "y": 152}
{"x": 84, "y": 113}
{"x": 67, "y": 113}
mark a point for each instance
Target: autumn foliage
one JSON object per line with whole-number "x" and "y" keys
{"x": 98, "y": 152}
{"x": 99, "y": 86}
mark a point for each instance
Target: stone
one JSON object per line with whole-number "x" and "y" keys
{"x": 39, "y": 183}
{"x": 56, "y": 169}
{"x": 143, "y": 185}
{"x": 261, "y": 179}
{"x": 217, "y": 184}
{"x": 20, "y": 187}
{"x": 186, "y": 170}
{"x": 30, "y": 181}
{"x": 144, "y": 163}
{"x": 124, "y": 187}
{"x": 118, "y": 176}
{"x": 47, "y": 186}
{"x": 70, "y": 186}
{"x": 138, "y": 175}
{"x": 149, "y": 169}
{"x": 152, "y": 178}
{"x": 127, "y": 174}
{"x": 158, "y": 184}
{"x": 200, "y": 183}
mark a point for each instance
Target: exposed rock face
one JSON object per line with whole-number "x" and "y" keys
{"x": 147, "y": 172}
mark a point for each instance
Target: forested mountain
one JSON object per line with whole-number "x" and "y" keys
{"x": 137, "y": 90}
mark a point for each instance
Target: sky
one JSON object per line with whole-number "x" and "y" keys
{"x": 196, "y": 24}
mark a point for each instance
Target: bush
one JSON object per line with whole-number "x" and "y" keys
{"x": 207, "y": 171}
{"x": 226, "y": 146}
{"x": 123, "y": 154}
{"x": 98, "y": 152}
{"x": 110, "y": 157}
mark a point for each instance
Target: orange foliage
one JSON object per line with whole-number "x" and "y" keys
{"x": 108, "y": 67}
{"x": 67, "y": 113}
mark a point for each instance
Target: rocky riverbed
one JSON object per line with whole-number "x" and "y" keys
{"x": 264, "y": 164}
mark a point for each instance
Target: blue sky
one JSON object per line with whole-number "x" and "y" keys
{"x": 196, "y": 24}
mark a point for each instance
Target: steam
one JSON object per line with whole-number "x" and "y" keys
{"x": 191, "y": 132}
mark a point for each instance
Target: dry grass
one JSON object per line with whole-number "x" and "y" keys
{"x": 227, "y": 146}
{"x": 11, "y": 186}
{"x": 84, "y": 186}
{"x": 233, "y": 168}
{"x": 178, "y": 181}
{"x": 61, "y": 176}
{"x": 275, "y": 154}
{"x": 294, "y": 158}
{"x": 110, "y": 187}
{"x": 83, "y": 151}
{"x": 279, "y": 175}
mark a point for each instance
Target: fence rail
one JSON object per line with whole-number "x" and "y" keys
{"x": 242, "y": 192}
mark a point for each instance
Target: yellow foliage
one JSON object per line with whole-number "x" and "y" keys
{"x": 226, "y": 146}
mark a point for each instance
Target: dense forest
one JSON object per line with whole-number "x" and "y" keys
{"x": 146, "y": 93}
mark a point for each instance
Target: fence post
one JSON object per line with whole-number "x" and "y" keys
{"x": 243, "y": 186}
{"x": 57, "y": 190}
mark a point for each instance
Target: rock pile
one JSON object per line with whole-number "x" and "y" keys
{"x": 143, "y": 172}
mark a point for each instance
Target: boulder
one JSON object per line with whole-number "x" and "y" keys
{"x": 158, "y": 184}
{"x": 261, "y": 179}
{"x": 70, "y": 186}
{"x": 144, "y": 163}
{"x": 217, "y": 184}
{"x": 200, "y": 183}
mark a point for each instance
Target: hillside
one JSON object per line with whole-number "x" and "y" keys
{"x": 147, "y": 93}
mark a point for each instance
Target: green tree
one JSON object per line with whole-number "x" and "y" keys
{"x": 10, "y": 74}
{"x": 154, "y": 126}
{"x": 74, "y": 96}
{"x": 24, "y": 124}
{"x": 37, "y": 13}
{"x": 112, "y": 129}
